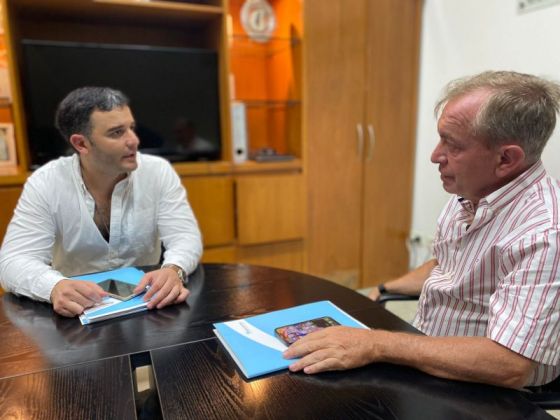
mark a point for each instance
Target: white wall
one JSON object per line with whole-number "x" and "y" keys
{"x": 462, "y": 37}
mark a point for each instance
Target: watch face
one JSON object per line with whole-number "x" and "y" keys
{"x": 258, "y": 20}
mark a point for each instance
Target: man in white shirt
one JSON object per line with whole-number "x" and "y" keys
{"x": 105, "y": 207}
{"x": 489, "y": 301}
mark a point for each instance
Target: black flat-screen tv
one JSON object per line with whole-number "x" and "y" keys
{"x": 173, "y": 94}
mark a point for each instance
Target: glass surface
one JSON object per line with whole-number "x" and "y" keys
{"x": 117, "y": 288}
{"x": 289, "y": 334}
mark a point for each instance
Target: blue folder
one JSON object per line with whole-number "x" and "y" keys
{"x": 129, "y": 275}
{"x": 252, "y": 342}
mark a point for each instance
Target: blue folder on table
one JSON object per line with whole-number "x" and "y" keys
{"x": 114, "y": 307}
{"x": 252, "y": 343}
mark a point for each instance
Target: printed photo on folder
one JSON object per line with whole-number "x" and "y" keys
{"x": 112, "y": 307}
{"x": 254, "y": 343}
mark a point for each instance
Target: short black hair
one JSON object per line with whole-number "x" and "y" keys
{"x": 74, "y": 111}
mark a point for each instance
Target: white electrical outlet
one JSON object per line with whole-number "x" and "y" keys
{"x": 525, "y": 6}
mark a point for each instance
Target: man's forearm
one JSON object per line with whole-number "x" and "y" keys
{"x": 29, "y": 277}
{"x": 474, "y": 359}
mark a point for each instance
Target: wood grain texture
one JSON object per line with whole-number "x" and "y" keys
{"x": 287, "y": 255}
{"x": 126, "y": 9}
{"x": 211, "y": 199}
{"x": 221, "y": 254}
{"x": 393, "y": 50}
{"x": 35, "y": 339}
{"x": 270, "y": 208}
{"x": 334, "y": 82}
{"x": 361, "y": 68}
{"x": 53, "y": 367}
{"x": 96, "y": 390}
{"x": 202, "y": 380}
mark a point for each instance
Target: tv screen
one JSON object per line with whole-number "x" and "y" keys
{"x": 173, "y": 94}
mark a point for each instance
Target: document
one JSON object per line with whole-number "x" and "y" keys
{"x": 254, "y": 344}
{"x": 110, "y": 307}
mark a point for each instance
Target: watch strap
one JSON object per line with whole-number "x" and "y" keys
{"x": 180, "y": 272}
{"x": 381, "y": 288}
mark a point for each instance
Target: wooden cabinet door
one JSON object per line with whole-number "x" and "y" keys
{"x": 334, "y": 81}
{"x": 270, "y": 208}
{"x": 211, "y": 198}
{"x": 393, "y": 45}
{"x": 287, "y": 255}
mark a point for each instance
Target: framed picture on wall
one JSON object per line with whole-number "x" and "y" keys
{"x": 8, "y": 156}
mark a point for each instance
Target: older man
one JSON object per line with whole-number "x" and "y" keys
{"x": 490, "y": 299}
{"x": 107, "y": 206}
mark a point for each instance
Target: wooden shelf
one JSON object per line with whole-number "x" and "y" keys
{"x": 226, "y": 167}
{"x": 251, "y": 166}
{"x": 191, "y": 9}
{"x": 14, "y": 176}
{"x": 154, "y": 11}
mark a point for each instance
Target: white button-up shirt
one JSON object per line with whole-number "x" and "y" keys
{"x": 53, "y": 236}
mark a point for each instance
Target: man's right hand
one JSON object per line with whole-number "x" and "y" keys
{"x": 70, "y": 297}
{"x": 374, "y": 294}
{"x": 409, "y": 284}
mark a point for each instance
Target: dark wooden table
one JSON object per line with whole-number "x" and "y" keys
{"x": 53, "y": 367}
{"x": 94, "y": 390}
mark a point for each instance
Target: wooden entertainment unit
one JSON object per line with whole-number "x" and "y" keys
{"x": 303, "y": 91}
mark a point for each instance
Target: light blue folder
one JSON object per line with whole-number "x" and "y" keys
{"x": 136, "y": 304}
{"x": 252, "y": 342}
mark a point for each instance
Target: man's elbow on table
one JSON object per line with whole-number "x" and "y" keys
{"x": 516, "y": 374}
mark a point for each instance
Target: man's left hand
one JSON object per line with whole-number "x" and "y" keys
{"x": 166, "y": 288}
{"x": 332, "y": 348}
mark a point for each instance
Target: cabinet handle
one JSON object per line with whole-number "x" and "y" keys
{"x": 371, "y": 137}
{"x": 360, "y": 138}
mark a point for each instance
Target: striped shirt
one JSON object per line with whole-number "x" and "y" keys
{"x": 498, "y": 271}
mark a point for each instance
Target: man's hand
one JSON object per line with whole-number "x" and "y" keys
{"x": 474, "y": 359}
{"x": 332, "y": 348}
{"x": 70, "y": 297}
{"x": 409, "y": 284}
{"x": 166, "y": 288}
{"x": 374, "y": 294}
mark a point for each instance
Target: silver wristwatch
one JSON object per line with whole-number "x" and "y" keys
{"x": 180, "y": 272}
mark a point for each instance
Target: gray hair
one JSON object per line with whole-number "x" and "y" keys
{"x": 521, "y": 108}
{"x": 74, "y": 112}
